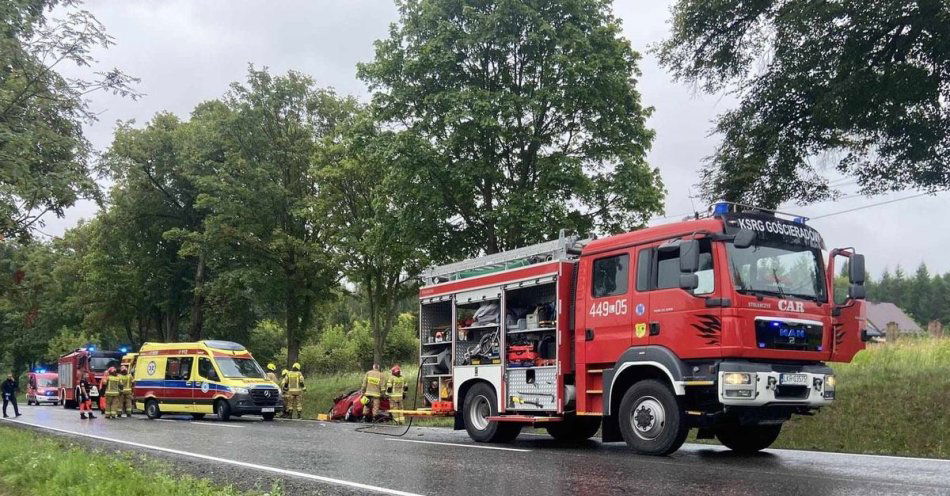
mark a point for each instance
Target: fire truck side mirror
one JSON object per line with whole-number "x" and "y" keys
{"x": 856, "y": 270}
{"x": 689, "y": 282}
{"x": 857, "y": 292}
{"x": 744, "y": 238}
{"x": 689, "y": 256}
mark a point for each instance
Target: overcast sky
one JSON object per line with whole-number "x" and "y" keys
{"x": 189, "y": 51}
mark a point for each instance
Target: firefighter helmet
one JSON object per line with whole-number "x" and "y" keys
{"x": 296, "y": 366}
{"x": 395, "y": 370}
{"x": 271, "y": 367}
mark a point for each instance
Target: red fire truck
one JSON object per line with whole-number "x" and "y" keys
{"x": 84, "y": 361}
{"x": 722, "y": 323}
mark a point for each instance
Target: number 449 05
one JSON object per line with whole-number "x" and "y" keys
{"x": 606, "y": 308}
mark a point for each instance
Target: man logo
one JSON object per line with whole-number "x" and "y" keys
{"x": 791, "y": 306}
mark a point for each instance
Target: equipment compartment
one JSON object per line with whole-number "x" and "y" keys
{"x": 435, "y": 348}
{"x": 532, "y": 389}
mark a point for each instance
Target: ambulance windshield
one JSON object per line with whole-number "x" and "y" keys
{"x": 238, "y": 368}
{"x": 775, "y": 269}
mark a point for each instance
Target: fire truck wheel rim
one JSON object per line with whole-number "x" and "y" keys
{"x": 648, "y": 418}
{"x": 480, "y": 411}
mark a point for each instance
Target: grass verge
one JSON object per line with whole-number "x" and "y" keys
{"x": 33, "y": 464}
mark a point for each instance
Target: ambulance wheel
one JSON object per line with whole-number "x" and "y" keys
{"x": 748, "y": 439}
{"x": 480, "y": 403}
{"x": 198, "y": 416}
{"x": 651, "y": 419}
{"x": 222, "y": 409}
{"x": 152, "y": 411}
{"x": 268, "y": 416}
{"x": 574, "y": 429}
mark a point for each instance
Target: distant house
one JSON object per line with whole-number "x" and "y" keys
{"x": 880, "y": 314}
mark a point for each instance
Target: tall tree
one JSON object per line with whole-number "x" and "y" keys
{"x": 860, "y": 85}
{"x": 257, "y": 199}
{"x": 378, "y": 221}
{"x": 44, "y": 156}
{"x": 531, "y": 112}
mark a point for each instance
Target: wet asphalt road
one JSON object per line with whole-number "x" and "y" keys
{"x": 330, "y": 458}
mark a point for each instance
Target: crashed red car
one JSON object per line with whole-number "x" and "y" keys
{"x": 348, "y": 407}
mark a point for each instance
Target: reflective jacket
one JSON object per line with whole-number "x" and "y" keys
{"x": 373, "y": 383}
{"x": 272, "y": 377}
{"x": 293, "y": 381}
{"x": 125, "y": 383}
{"x": 396, "y": 387}
{"x": 113, "y": 385}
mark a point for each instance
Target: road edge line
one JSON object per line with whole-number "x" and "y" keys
{"x": 319, "y": 478}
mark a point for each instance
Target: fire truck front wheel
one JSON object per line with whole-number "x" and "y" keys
{"x": 749, "y": 438}
{"x": 480, "y": 403}
{"x": 651, "y": 419}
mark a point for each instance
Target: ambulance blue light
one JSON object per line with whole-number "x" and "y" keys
{"x": 123, "y": 349}
{"x": 800, "y": 220}
{"x": 721, "y": 209}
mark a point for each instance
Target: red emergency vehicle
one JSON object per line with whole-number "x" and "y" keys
{"x": 88, "y": 361}
{"x": 723, "y": 323}
{"x": 42, "y": 387}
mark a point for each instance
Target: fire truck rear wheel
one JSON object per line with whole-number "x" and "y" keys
{"x": 480, "y": 403}
{"x": 152, "y": 410}
{"x": 749, "y": 438}
{"x": 651, "y": 419}
{"x": 574, "y": 429}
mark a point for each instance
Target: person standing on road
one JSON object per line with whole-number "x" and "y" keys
{"x": 372, "y": 390}
{"x": 125, "y": 393}
{"x": 113, "y": 389}
{"x": 293, "y": 383}
{"x": 10, "y": 389}
{"x": 84, "y": 397}
{"x": 272, "y": 374}
{"x": 396, "y": 388}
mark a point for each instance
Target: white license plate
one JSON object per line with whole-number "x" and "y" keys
{"x": 267, "y": 410}
{"x": 794, "y": 379}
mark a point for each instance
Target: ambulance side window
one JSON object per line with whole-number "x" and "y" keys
{"x": 206, "y": 369}
{"x": 178, "y": 369}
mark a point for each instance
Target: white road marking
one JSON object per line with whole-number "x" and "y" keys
{"x": 459, "y": 444}
{"x": 254, "y": 466}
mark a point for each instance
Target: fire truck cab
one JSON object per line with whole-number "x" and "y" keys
{"x": 722, "y": 323}
{"x": 42, "y": 387}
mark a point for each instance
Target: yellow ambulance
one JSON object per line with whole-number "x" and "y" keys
{"x": 218, "y": 377}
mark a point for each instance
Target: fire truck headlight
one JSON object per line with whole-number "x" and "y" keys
{"x": 736, "y": 378}
{"x": 830, "y": 383}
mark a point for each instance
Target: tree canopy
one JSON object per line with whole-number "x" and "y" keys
{"x": 530, "y": 111}
{"x": 859, "y": 85}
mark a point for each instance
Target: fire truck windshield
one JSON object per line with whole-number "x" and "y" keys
{"x": 246, "y": 368}
{"x": 47, "y": 382}
{"x": 782, "y": 270}
{"x": 101, "y": 364}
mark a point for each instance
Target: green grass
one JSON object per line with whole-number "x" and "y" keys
{"x": 892, "y": 399}
{"x": 33, "y": 464}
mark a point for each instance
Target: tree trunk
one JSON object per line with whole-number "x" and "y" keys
{"x": 197, "y": 306}
{"x": 293, "y": 332}
{"x": 130, "y": 334}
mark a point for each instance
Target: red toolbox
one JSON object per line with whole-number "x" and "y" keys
{"x": 522, "y": 353}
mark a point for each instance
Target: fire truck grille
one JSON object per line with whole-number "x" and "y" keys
{"x": 264, "y": 396}
{"x": 791, "y": 392}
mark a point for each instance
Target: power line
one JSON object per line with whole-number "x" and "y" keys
{"x": 895, "y": 200}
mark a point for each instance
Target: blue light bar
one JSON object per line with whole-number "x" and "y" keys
{"x": 721, "y": 208}
{"x": 800, "y": 220}
{"x": 123, "y": 350}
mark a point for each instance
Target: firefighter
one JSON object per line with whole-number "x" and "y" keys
{"x": 293, "y": 384}
{"x": 272, "y": 373}
{"x": 113, "y": 388}
{"x": 283, "y": 388}
{"x": 372, "y": 389}
{"x": 84, "y": 397}
{"x": 396, "y": 388}
{"x": 125, "y": 394}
